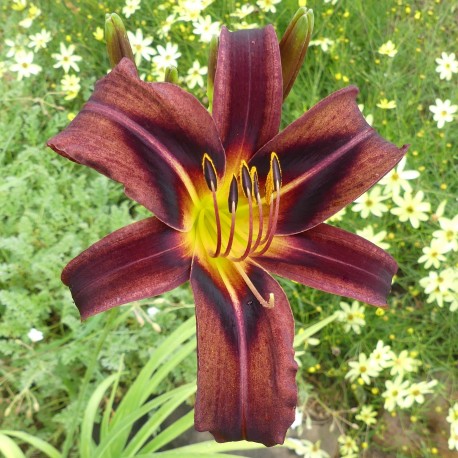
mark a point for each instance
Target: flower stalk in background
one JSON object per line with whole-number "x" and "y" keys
{"x": 233, "y": 199}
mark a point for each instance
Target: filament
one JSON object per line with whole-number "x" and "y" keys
{"x": 250, "y": 231}
{"x": 260, "y": 227}
{"x": 270, "y": 303}
{"x": 272, "y": 225}
{"x": 232, "y": 231}
{"x": 218, "y": 223}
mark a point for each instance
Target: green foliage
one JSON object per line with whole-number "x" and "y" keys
{"x": 53, "y": 209}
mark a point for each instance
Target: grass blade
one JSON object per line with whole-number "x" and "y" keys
{"x": 36, "y": 442}
{"x": 313, "y": 329}
{"x": 9, "y": 448}
{"x": 170, "y": 433}
{"x": 145, "y": 383}
{"x": 126, "y": 425}
{"x": 154, "y": 422}
{"x": 87, "y": 445}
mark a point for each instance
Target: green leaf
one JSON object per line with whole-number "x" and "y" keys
{"x": 216, "y": 447}
{"x": 87, "y": 445}
{"x": 36, "y": 442}
{"x": 9, "y": 448}
{"x": 125, "y": 426}
{"x": 170, "y": 433}
{"x": 179, "y": 454}
{"x": 301, "y": 337}
{"x": 145, "y": 383}
{"x": 109, "y": 407}
{"x": 153, "y": 423}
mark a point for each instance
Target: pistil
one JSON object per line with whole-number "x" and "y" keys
{"x": 269, "y": 303}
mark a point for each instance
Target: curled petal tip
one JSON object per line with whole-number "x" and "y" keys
{"x": 293, "y": 46}
{"x": 118, "y": 45}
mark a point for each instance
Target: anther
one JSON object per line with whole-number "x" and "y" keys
{"x": 233, "y": 197}
{"x": 273, "y": 181}
{"x": 276, "y": 171}
{"x": 209, "y": 171}
{"x": 245, "y": 179}
{"x": 247, "y": 188}
{"x": 232, "y": 203}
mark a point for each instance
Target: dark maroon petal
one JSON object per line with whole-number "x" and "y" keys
{"x": 248, "y": 91}
{"x": 141, "y": 260}
{"x": 246, "y": 370}
{"x": 150, "y": 137}
{"x": 335, "y": 261}
{"x": 329, "y": 157}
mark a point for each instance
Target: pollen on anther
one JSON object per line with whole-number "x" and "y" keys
{"x": 245, "y": 178}
{"x": 276, "y": 170}
{"x": 255, "y": 181}
{"x": 209, "y": 171}
{"x": 233, "y": 197}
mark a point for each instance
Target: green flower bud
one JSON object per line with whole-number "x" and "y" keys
{"x": 118, "y": 45}
{"x": 171, "y": 75}
{"x": 293, "y": 46}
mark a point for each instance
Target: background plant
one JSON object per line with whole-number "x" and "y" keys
{"x": 52, "y": 210}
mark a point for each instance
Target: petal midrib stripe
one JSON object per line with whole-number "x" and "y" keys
{"x": 143, "y": 135}
{"x": 243, "y": 348}
{"x": 319, "y": 166}
{"x": 124, "y": 266}
{"x": 338, "y": 261}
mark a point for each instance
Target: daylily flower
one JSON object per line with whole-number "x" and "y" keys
{"x": 233, "y": 199}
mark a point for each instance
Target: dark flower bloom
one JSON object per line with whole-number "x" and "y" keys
{"x": 233, "y": 198}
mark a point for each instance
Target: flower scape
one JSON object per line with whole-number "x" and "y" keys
{"x": 234, "y": 200}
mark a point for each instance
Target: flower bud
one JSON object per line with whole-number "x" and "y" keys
{"x": 171, "y": 75}
{"x": 118, "y": 45}
{"x": 212, "y": 58}
{"x": 293, "y": 46}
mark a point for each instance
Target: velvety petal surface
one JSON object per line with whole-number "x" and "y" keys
{"x": 329, "y": 157}
{"x": 246, "y": 368}
{"x": 141, "y": 260}
{"x": 150, "y": 137}
{"x": 333, "y": 260}
{"x": 248, "y": 91}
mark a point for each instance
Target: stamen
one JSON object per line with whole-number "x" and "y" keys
{"x": 209, "y": 172}
{"x": 212, "y": 183}
{"x": 269, "y": 201}
{"x": 250, "y": 232}
{"x": 274, "y": 182}
{"x": 247, "y": 188}
{"x": 257, "y": 195}
{"x": 270, "y": 303}
{"x": 245, "y": 179}
{"x": 232, "y": 204}
{"x": 272, "y": 225}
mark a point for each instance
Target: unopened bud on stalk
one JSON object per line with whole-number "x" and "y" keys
{"x": 212, "y": 58}
{"x": 171, "y": 75}
{"x": 118, "y": 45}
{"x": 293, "y": 46}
